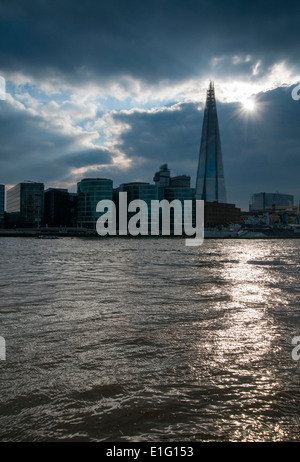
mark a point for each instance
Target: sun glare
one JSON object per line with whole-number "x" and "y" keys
{"x": 249, "y": 105}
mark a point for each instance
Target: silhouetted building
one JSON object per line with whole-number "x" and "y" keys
{"x": 2, "y": 204}
{"x": 60, "y": 208}
{"x": 140, "y": 191}
{"x": 210, "y": 183}
{"x": 175, "y": 188}
{"x": 89, "y": 192}
{"x": 263, "y": 200}
{"x": 25, "y": 204}
{"x": 180, "y": 181}
{"x": 162, "y": 177}
{"x": 218, "y": 214}
{"x": 181, "y": 194}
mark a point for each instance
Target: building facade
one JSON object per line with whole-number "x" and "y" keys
{"x": 180, "y": 181}
{"x": 181, "y": 194}
{"x": 60, "y": 208}
{"x": 217, "y": 214}
{"x": 25, "y": 204}
{"x": 210, "y": 183}
{"x": 162, "y": 177}
{"x": 140, "y": 191}
{"x": 263, "y": 200}
{"x": 89, "y": 192}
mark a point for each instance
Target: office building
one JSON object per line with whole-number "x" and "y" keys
{"x": 175, "y": 188}
{"x": 60, "y": 208}
{"x": 210, "y": 183}
{"x": 89, "y": 192}
{"x": 25, "y": 204}
{"x": 140, "y": 191}
{"x": 180, "y": 181}
{"x": 162, "y": 177}
{"x": 181, "y": 194}
{"x": 217, "y": 214}
{"x": 263, "y": 200}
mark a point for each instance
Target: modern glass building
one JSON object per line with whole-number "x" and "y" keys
{"x": 263, "y": 200}
{"x": 182, "y": 194}
{"x": 26, "y": 202}
{"x": 60, "y": 208}
{"x": 210, "y": 183}
{"x": 136, "y": 190}
{"x": 140, "y": 191}
{"x": 2, "y": 207}
{"x": 89, "y": 192}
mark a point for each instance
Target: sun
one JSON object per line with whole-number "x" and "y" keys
{"x": 249, "y": 105}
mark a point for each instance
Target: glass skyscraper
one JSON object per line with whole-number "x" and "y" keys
{"x": 210, "y": 183}
{"x": 90, "y": 191}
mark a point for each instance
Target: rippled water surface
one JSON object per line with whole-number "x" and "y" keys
{"x": 149, "y": 340}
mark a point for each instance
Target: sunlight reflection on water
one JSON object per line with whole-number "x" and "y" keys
{"x": 147, "y": 339}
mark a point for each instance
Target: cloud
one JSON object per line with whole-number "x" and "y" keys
{"x": 38, "y": 148}
{"x": 125, "y": 44}
{"x": 117, "y": 88}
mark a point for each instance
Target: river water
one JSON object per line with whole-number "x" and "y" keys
{"x": 149, "y": 340}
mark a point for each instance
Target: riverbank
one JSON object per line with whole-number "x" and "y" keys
{"x": 45, "y": 233}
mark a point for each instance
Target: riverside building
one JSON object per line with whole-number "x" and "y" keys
{"x": 90, "y": 191}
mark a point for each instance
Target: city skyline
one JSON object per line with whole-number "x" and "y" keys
{"x": 100, "y": 95}
{"x": 183, "y": 179}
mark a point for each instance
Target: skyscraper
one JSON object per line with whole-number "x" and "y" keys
{"x": 210, "y": 183}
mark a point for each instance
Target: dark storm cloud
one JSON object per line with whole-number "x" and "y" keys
{"x": 261, "y": 151}
{"x": 150, "y": 40}
{"x": 167, "y": 41}
{"x": 156, "y": 137}
{"x": 263, "y": 154}
{"x": 33, "y": 148}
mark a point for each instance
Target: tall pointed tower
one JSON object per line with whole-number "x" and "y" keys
{"x": 210, "y": 183}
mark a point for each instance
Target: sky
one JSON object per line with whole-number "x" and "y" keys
{"x": 115, "y": 88}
